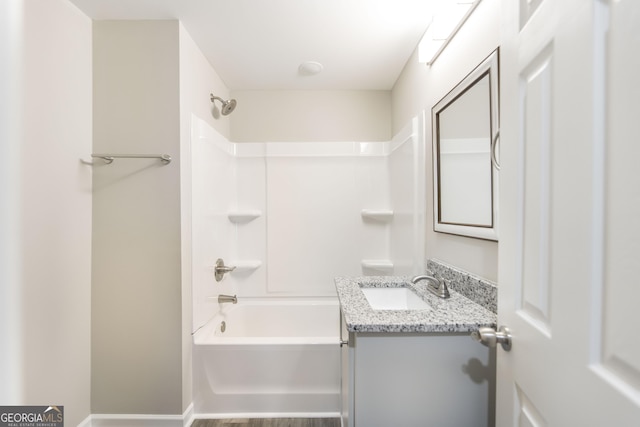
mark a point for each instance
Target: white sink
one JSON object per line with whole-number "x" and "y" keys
{"x": 394, "y": 299}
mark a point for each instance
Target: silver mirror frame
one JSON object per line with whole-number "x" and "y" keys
{"x": 490, "y": 67}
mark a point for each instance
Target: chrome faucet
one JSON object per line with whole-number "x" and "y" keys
{"x": 227, "y": 298}
{"x": 436, "y": 286}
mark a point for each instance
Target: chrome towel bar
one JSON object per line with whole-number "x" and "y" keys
{"x": 108, "y": 158}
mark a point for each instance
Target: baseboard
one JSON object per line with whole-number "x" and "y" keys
{"x": 188, "y": 416}
{"x": 86, "y": 422}
{"x": 135, "y": 420}
{"x": 220, "y": 416}
{"x": 186, "y": 419}
{"x": 140, "y": 420}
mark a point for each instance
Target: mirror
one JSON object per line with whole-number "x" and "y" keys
{"x": 465, "y": 167}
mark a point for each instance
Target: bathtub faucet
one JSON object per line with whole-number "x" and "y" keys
{"x": 227, "y": 298}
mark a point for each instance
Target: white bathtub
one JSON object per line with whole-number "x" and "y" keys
{"x": 275, "y": 357}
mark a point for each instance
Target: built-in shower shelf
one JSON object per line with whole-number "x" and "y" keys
{"x": 246, "y": 266}
{"x": 377, "y": 214}
{"x": 244, "y": 216}
{"x": 382, "y": 265}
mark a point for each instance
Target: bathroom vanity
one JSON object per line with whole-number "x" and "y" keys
{"x": 413, "y": 366}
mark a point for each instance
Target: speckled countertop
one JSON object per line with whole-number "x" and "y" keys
{"x": 455, "y": 314}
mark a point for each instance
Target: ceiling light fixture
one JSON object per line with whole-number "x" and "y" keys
{"x": 449, "y": 16}
{"x": 310, "y": 68}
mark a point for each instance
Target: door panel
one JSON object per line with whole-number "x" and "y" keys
{"x": 570, "y": 213}
{"x": 618, "y": 351}
{"x": 527, "y": 414}
{"x": 535, "y": 143}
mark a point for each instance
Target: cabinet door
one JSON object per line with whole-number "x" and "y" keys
{"x": 417, "y": 380}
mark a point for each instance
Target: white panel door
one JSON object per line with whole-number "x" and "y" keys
{"x": 570, "y": 213}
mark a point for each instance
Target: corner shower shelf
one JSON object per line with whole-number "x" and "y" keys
{"x": 245, "y": 266}
{"x": 377, "y": 214}
{"x": 383, "y": 265}
{"x": 244, "y": 216}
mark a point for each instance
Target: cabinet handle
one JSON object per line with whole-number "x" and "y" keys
{"x": 343, "y": 342}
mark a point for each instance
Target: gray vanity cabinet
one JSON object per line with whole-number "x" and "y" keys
{"x": 416, "y": 380}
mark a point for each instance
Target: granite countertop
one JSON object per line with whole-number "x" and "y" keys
{"x": 454, "y": 314}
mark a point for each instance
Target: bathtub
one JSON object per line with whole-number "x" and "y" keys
{"x": 274, "y": 358}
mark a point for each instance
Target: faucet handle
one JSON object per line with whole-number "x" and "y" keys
{"x": 444, "y": 287}
{"x": 440, "y": 287}
{"x": 220, "y": 269}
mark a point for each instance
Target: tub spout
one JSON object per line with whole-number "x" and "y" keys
{"x": 227, "y": 298}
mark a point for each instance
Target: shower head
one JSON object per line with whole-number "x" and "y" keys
{"x": 227, "y": 106}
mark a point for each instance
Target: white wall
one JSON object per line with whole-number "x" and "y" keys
{"x": 136, "y": 302}
{"x": 197, "y": 80}
{"x": 419, "y": 88}
{"x": 406, "y": 165}
{"x": 214, "y": 194}
{"x": 47, "y": 208}
{"x": 149, "y": 80}
{"x": 311, "y": 116}
{"x": 11, "y": 20}
{"x": 315, "y": 231}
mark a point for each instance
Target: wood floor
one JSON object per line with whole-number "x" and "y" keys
{"x": 269, "y": 422}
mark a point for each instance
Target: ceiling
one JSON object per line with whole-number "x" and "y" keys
{"x": 259, "y": 44}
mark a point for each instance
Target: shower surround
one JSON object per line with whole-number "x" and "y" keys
{"x": 290, "y": 217}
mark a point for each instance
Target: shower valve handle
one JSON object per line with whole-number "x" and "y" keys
{"x": 220, "y": 269}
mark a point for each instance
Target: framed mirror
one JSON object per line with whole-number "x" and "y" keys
{"x": 465, "y": 166}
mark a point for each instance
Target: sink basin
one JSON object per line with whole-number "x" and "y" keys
{"x": 394, "y": 299}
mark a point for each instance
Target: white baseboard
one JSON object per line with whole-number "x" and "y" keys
{"x": 140, "y": 420}
{"x": 86, "y": 422}
{"x": 222, "y": 415}
{"x": 186, "y": 419}
{"x": 135, "y": 420}
{"x": 188, "y": 416}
